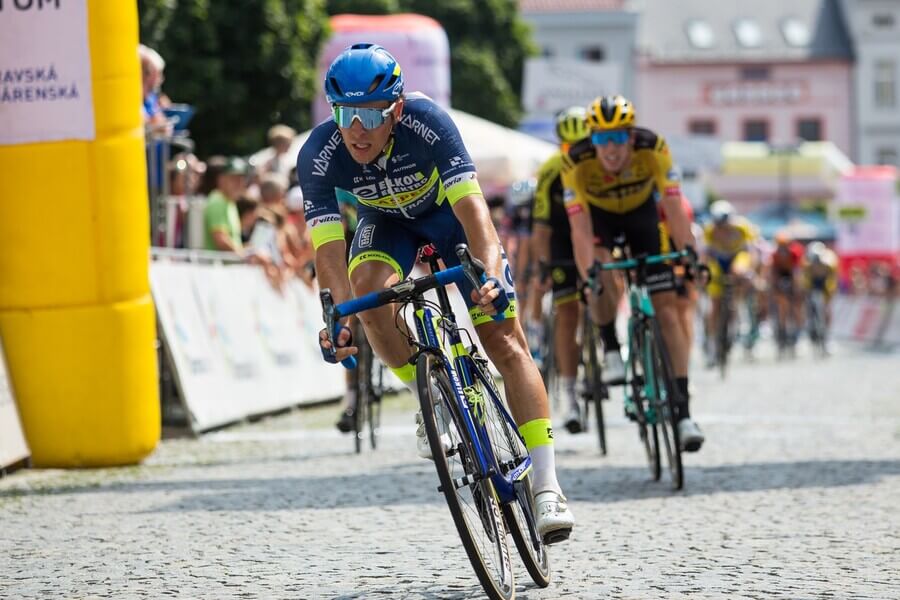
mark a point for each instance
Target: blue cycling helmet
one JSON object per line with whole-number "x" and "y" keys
{"x": 363, "y": 73}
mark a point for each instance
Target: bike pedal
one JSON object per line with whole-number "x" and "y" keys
{"x": 555, "y": 537}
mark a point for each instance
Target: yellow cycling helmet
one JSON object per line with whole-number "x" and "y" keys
{"x": 610, "y": 112}
{"x": 571, "y": 125}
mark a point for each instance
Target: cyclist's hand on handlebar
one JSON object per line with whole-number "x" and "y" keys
{"x": 344, "y": 345}
{"x": 486, "y": 296}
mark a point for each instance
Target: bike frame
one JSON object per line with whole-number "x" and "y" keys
{"x": 458, "y": 361}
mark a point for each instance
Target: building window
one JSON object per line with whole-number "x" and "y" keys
{"x": 885, "y": 83}
{"x": 700, "y": 34}
{"x": 756, "y": 130}
{"x": 883, "y": 20}
{"x": 755, "y": 73}
{"x": 547, "y": 52}
{"x": 593, "y": 53}
{"x": 795, "y": 32}
{"x": 888, "y": 156}
{"x": 702, "y": 127}
{"x": 748, "y": 33}
{"x": 809, "y": 130}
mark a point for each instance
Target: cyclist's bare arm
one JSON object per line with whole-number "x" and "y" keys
{"x": 472, "y": 212}
{"x": 677, "y": 221}
{"x": 331, "y": 271}
{"x": 582, "y": 240}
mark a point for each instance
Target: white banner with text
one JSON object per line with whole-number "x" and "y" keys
{"x": 45, "y": 72}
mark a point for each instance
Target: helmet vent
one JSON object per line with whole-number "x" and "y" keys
{"x": 336, "y": 87}
{"x": 391, "y": 82}
{"x": 375, "y": 83}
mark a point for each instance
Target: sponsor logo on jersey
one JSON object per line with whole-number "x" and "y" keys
{"x": 324, "y": 220}
{"x": 456, "y": 161}
{"x": 398, "y": 185}
{"x": 323, "y": 159}
{"x": 420, "y": 128}
{"x": 461, "y": 178}
{"x": 366, "y": 234}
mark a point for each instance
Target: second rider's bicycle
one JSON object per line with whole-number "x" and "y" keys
{"x": 651, "y": 396}
{"x": 485, "y": 474}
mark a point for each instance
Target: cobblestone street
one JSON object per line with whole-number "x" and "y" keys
{"x": 796, "y": 494}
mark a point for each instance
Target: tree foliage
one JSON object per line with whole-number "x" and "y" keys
{"x": 244, "y": 66}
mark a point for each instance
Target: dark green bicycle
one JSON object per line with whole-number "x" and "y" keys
{"x": 651, "y": 396}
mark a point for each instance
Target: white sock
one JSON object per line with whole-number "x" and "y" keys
{"x": 543, "y": 477}
{"x": 567, "y": 386}
{"x": 350, "y": 399}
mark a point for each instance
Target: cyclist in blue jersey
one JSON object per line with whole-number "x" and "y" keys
{"x": 402, "y": 158}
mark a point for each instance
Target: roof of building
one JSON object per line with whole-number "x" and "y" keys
{"x": 533, "y": 6}
{"x": 732, "y": 31}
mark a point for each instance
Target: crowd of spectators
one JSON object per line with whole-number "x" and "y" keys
{"x": 252, "y": 211}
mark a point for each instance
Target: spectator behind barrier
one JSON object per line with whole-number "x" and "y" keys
{"x": 280, "y": 138}
{"x": 222, "y": 223}
{"x": 152, "y": 99}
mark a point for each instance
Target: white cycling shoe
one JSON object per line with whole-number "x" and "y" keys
{"x": 553, "y": 518}
{"x": 691, "y": 436}
{"x": 423, "y": 448}
{"x": 613, "y": 368}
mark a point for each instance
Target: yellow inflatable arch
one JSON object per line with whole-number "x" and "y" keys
{"x": 76, "y": 317}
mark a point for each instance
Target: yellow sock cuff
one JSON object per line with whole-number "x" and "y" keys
{"x": 538, "y": 432}
{"x": 406, "y": 373}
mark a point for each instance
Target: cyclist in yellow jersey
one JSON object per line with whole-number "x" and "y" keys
{"x": 727, "y": 239}
{"x": 551, "y": 243}
{"x": 612, "y": 183}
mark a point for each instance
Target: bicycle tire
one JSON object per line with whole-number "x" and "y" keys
{"x": 647, "y": 431}
{"x": 376, "y": 391}
{"x": 723, "y": 344}
{"x": 473, "y": 505}
{"x": 363, "y": 373}
{"x": 548, "y": 357}
{"x": 519, "y": 514}
{"x": 594, "y": 378}
{"x": 667, "y": 406}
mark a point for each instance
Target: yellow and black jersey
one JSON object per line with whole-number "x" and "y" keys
{"x": 549, "y": 208}
{"x": 648, "y": 176}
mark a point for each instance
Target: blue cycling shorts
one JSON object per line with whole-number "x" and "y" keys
{"x": 396, "y": 241}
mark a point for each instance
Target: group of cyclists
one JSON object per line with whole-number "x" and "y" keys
{"x": 398, "y": 161}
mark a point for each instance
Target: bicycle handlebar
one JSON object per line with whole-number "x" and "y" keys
{"x": 630, "y": 263}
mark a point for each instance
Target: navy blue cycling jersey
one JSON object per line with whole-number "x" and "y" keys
{"x": 424, "y": 165}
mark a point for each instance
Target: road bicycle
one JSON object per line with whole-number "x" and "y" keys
{"x": 485, "y": 476}
{"x": 593, "y": 390}
{"x": 815, "y": 316}
{"x": 651, "y": 397}
{"x": 368, "y": 379}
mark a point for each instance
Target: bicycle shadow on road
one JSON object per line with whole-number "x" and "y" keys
{"x": 618, "y": 484}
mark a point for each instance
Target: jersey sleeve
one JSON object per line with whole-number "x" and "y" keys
{"x": 314, "y": 171}
{"x": 668, "y": 182}
{"x": 455, "y": 167}
{"x": 548, "y": 173}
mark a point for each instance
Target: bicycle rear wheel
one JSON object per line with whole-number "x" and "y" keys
{"x": 666, "y": 401}
{"x": 509, "y": 449}
{"x": 470, "y": 496}
{"x": 596, "y": 390}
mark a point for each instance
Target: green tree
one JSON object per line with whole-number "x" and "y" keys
{"x": 244, "y": 66}
{"x": 488, "y": 45}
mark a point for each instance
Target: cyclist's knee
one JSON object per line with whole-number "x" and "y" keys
{"x": 372, "y": 276}
{"x": 504, "y": 343}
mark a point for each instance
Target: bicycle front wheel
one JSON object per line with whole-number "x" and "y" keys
{"x": 639, "y": 401}
{"x": 666, "y": 400}
{"x": 509, "y": 449}
{"x": 470, "y": 494}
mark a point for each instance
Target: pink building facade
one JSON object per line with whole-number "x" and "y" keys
{"x": 779, "y": 103}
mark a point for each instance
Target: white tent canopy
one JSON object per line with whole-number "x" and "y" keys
{"x": 501, "y": 155}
